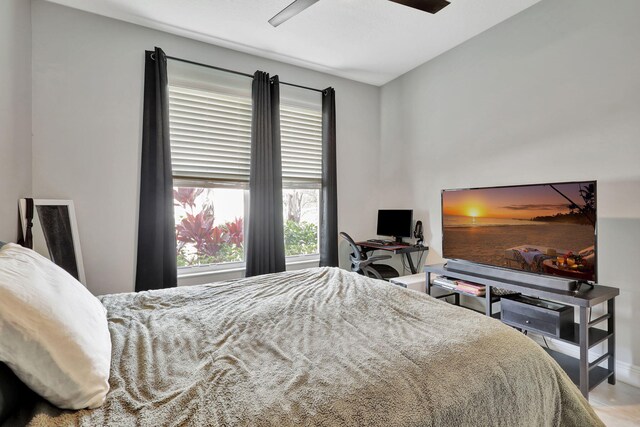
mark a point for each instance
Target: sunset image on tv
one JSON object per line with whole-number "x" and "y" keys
{"x": 548, "y": 228}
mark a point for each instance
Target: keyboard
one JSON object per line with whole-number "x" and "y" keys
{"x": 382, "y": 242}
{"x": 378, "y": 241}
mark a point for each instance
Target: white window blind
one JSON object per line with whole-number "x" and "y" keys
{"x": 301, "y": 135}
{"x": 210, "y": 135}
{"x": 210, "y": 129}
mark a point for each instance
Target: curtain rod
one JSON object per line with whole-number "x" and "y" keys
{"x": 239, "y": 73}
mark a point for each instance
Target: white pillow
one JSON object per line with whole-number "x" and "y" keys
{"x": 53, "y": 332}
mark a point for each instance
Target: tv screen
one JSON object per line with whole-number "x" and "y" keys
{"x": 395, "y": 222}
{"x": 545, "y": 228}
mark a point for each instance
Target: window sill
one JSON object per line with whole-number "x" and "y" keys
{"x": 204, "y": 275}
{"x": 203, "y": 271}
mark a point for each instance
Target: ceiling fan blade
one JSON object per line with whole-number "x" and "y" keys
{"x": 431, "y": 6}
{"x": 290, "y": 11}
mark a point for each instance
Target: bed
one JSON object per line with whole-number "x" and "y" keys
{"x": 317, "y": 347}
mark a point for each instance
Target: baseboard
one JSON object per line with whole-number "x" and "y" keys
{"x": 625, "y": 372}
{"x": 628, "y": 373}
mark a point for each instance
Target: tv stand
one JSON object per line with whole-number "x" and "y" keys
{"x": 583, "y": 335}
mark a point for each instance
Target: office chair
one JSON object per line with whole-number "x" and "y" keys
{"x": 361, "y": 264}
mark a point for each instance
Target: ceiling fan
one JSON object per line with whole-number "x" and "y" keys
{"x": 430, "y": 6}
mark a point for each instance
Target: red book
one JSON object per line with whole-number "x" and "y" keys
{"x": 470, "y": 288}
{"x": 470, "y": 285}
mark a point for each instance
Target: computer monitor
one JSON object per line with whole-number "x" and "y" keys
{"x": 395, "y": 222}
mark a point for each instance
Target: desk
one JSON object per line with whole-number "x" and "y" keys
{"x": 405, "y": 250}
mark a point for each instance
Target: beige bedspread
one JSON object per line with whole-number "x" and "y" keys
{"x": 320, "y": 347}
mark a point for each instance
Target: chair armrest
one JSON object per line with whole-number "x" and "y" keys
{"x": 373, "y": 259}
{"x": 379, "y": 257}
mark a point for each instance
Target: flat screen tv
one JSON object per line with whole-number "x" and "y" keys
{"x": 547, "y": 229}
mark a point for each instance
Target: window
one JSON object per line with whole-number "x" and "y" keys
{"x": 210, "y": 129}
{"x": 209, "y": 225}
{"x": 301, "y": 134}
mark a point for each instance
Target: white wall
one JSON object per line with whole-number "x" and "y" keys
{"x": 87, "y": 108}
{"x": 15, "y": 112}
{"x": 552, "y": 94}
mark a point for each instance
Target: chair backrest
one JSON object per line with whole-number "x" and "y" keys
{"x": 356, "y": 255}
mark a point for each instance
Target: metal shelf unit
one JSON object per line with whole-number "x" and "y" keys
{"x": 586, "y": 375}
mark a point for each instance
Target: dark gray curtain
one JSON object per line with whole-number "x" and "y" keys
{"x": 329, "y": 192}
{"x": 156, "y": 265}
{"x": 265, "y": 234}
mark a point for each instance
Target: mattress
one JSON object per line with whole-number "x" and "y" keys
{"x": 318, "y": 347}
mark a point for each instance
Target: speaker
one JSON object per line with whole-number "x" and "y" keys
{"x": 418, "y": 233}
{"x": 557, "y": 283}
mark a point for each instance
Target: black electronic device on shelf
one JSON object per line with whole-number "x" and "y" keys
{"x": 537, "y": 315}
{"x": 521, "y": 277}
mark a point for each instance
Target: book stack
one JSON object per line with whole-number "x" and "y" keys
{"x": 470, "y": 288}
{"x": 445, "y": 283}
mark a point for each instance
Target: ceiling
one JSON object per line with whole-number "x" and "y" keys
{"x": 372, "y": 41}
